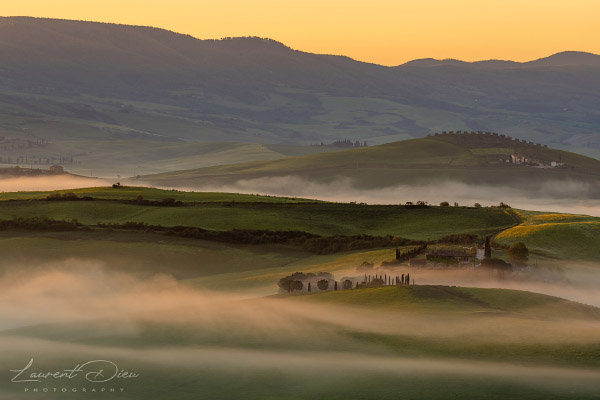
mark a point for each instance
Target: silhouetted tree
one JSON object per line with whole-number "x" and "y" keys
{"x": 323, "y": 284}
{"x": 335, "y": 285}
{"x": 285, "y": 284}
{"x": 347, "y": 284}
{"x": 487, "y": 254}
{"x": 444, "y": 204}
{"x": 309, "y": 287}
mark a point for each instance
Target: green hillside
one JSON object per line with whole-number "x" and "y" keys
{"x": 230, "y": 211}
{"x": 561, "y": 236}
{"x": 470, "y": 158}
{"x": 139, "y": 254}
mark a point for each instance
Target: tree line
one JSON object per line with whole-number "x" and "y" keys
{"x": 325, "y": 281}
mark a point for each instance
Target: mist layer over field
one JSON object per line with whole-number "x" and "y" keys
{"x": 568, "y": 197}
{"x": 39, "y": 183}
{"x": 560, "y": 196}
{"x": 183, "y": 342}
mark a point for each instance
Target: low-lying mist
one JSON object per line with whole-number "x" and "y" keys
{"x": 560, "y": 196}
{"x": 49, "y": 182}
{"x": 223, "y": 344}
{"x": 76, "y": 289}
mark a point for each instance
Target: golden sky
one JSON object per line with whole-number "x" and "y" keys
{"x": 386, "y": 32}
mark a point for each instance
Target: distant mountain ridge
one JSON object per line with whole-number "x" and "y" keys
{"x": 67, "y": 81}
{"x": 561, "y": 59}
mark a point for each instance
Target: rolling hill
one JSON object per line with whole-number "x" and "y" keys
{"x": 478, "y": 159}
{"x": 223, "y": 212}
{"x": 562, "y": 236}
{"x": 80, "y": 87}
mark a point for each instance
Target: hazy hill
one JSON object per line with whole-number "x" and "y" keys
{"x": 467, "y": 158}
{"x": 66, "y": 80}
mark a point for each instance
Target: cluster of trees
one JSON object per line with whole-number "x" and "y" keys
{"x": 40, "y": 223}
{"x": 166, "y": 202}
{"x": 30, "y": 160}
{"x": 461, "y": 238}
{"x": 139, "y": 200}
{"x": 446, "y": 204}
{"x": 405, "y": 255}
{"x": 325, "y": 281}
{"x": 417, "y": 204}
{"x": 347, "y": 143}
{"x": 67, "y": 197}
{"x": 518, "y": 254}
{"x": 335, "y": 244}
{"x": 295, "y": 281}
{"x": 384, "y": 280}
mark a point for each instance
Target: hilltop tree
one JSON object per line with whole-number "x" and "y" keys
{"x": 323, "y": 284}
{"x": 444, "y": 204}
{"x": 477, "y": 205}
{"x": 487, "y": 253}
{"x": 285, "y": 284}
{"x": 518, "y": 252}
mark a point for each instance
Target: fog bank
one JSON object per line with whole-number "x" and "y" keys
{"x": 49, "y": 182}
{"x": 569, "y": 197}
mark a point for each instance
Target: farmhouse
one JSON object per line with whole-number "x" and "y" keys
{"x": 450, "y": 256}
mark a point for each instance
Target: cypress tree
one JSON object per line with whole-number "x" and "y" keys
{"x": 309, "y": 288}
{"x": 487, "y": 253}
{"x": 335, "y": 286}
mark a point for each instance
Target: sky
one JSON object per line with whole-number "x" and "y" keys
{"x": 388, "y": 32}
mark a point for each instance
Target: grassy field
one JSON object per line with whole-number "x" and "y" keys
{"x": 150, "y": 193}
{"x": 140, "y": 254}
{"x": 217, "y": 211}
{"x": 561, "y": 236}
